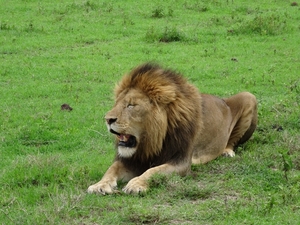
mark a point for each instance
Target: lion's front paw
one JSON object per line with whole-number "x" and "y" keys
{"x": 135, "y": 186}
{"x": 103, "y": 188}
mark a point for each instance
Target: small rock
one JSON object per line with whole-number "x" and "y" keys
{"x": 66, "y": 107}
{"x": 294, "y": 4}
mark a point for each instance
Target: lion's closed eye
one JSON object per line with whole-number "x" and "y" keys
{"x": 134, "y": 108}
{"x": 130, "y": 106}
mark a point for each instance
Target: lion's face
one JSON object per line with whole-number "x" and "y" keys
{"x": 127, "y": 120}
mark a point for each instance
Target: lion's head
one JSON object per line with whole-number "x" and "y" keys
{"x": 149, "y": 106}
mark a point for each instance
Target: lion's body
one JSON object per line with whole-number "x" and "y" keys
{"x": 163, "y": 124}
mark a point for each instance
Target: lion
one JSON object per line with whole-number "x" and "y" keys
{"x": 162, "y": 125}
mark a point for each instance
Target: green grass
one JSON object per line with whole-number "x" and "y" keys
{"x": 74, "y": 51}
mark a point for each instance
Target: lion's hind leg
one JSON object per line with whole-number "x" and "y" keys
{"x": 244, "y": 119}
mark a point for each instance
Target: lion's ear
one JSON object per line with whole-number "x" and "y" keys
{"x": 162, "y": 94}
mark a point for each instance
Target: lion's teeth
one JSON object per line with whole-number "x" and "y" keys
{"x": 124, "y": 137}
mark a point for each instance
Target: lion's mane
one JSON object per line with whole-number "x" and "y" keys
{"x": 175, "y": 117}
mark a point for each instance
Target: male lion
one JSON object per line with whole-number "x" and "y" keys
{"x": 162, "y": 124}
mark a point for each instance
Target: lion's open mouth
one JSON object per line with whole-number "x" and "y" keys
{"x": 125, "y": 140}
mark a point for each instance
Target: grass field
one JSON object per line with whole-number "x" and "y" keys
{"x": 74, "y": 51}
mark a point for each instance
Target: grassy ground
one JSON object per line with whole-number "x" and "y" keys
{"x": 74, "y": 51}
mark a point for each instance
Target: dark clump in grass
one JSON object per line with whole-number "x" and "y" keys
{"x": 86, "y": 6}
{"x": 273, "y": 24}
{"x": 196, "y": 7}
{"x": 5, "y": 26}
{"x": 168, "y": 35}
{"x": 159, "y": 12}
{"x": 171, "y": 35}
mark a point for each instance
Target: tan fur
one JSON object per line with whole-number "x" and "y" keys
{"x": 173, "y": 125}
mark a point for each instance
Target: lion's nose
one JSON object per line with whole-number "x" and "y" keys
{"x": 109, "y": 121}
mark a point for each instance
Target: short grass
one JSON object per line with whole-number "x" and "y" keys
{"x": 74, "y": 51}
